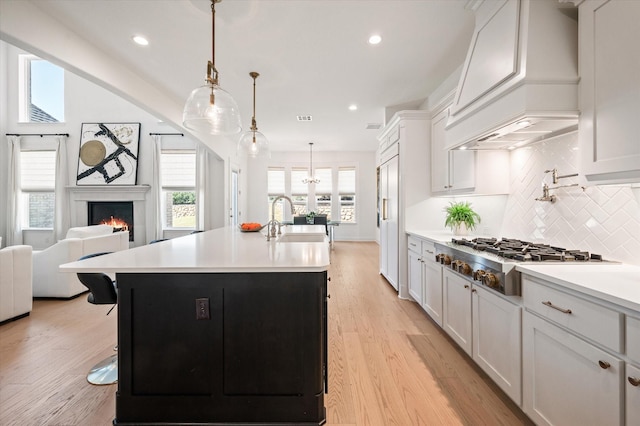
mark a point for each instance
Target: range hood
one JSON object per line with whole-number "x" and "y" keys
{"x": 519, "y": 83}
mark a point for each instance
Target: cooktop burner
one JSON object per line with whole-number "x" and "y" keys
{"x": 526, "y": 251}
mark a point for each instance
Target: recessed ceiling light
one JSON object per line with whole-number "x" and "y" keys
{"x": 353, "y": 107}
{"x": 138, "y": 39}
{"x": 375, "y": 39}
{"x": 462, "y": 148}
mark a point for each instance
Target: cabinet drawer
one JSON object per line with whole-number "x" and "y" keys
{"x": 428, "y": 251}
{"x": 633, "y": 339}
{"x": 596, "y": 322}
{"x": 414, "y": 244}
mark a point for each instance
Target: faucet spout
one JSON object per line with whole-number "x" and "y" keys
{"x": 273, "y": 222}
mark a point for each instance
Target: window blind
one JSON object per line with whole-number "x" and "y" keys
{"x": 325, "y": 184}
{"x": 347, "y": 180}
{"x": 38, "y": 170}
{"x": 297, "y": 186}
{"x": 275, "y": 181}
{"x": 178, "y": 169}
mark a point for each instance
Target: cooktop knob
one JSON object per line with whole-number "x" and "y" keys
{"x": 490, "y": 280}
{"x": 446, "y": 259}
{"x": 477, "y": 275}
{"x": 464, "y": 268}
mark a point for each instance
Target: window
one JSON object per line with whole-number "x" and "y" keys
{"x": 37, "y": 181}
{"x": 299, "y": 191}
{"x": 327, "y": 197}
{"x": 323, "y": 192}
{"x": 275, "y": 187}
{"x": 41, "y": 97}
{"x": 347, "y": 194}
{"x": 178, "y": 177}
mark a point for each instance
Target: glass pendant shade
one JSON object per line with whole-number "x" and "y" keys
{"x": 220, "y": 117}
{"x": 255, "y": 144}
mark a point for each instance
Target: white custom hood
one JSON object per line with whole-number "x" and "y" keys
{"x": 519, "y": 83}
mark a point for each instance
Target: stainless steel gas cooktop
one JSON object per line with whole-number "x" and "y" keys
{"x": 491, "y": 262}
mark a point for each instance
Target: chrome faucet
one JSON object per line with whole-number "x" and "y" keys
{"x": 273, "y": 223}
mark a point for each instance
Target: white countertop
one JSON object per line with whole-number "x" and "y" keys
{"x": 614, "y": 282}
{"x": 220, "y": 250}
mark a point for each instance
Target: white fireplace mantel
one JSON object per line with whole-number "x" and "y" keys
{"x": 79, "y": 196}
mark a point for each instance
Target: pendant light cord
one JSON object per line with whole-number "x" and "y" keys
{"x": 254, "y": 125}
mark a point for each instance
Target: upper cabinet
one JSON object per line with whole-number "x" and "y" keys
{"x": 519, "y": 82}
{"x": 457, "y": 171}
{"x": 610, "y": 91}
{"x": 450, "y": 170}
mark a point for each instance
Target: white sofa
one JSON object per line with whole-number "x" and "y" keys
{"x": 48, "y": 281}
{"x": 15, "y": 282}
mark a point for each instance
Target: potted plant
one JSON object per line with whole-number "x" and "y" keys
{"x": 311, "y": 217}
{"x": 461, "y": 217}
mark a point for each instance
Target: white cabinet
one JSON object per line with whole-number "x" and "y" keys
{"x": 415, "y": 269}
{"x": 404, "y": 144}
{"x": 610, "y": 90}
{"x": 567, "y": 381}
{"x": 450, "y": 170}
{"x": 632, "y": 390}
{"x": 456, "y": 300}
{"x": 389, "y": 243}
{"x": 487, "y": 327}
{"x": 432, "y": 283}
{"x": 496, "y": 340}
{"x": 465, "y": 172}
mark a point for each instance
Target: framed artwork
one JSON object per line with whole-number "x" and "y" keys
{"x": 108, "y": 154}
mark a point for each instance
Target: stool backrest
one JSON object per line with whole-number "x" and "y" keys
{"x": 102, "y": 290}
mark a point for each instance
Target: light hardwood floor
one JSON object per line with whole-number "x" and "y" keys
{"x": 389, "y": 364}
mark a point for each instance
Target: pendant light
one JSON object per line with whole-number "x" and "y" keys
{"x": 311, "y": 178}
{"x": 210, "y": 109}
{"x": 252, "y": 141}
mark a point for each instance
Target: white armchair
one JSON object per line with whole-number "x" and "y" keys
{"x": 15, "y": 282}
{"x": 48, "y": 281}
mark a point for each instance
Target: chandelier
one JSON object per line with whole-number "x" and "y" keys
{"x": 252, "y": 141}
{"x": 311, "y": 178}
{"x": 210, "y": 109}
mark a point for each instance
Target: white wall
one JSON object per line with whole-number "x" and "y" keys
{"x": 87, "y": 102}
{"x": 363, "y": 230}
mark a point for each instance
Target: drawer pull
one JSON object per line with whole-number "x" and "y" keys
{"x": 466, "y": 286}
{"x": 634, "y": 381}
{"x": 604, "y": 364}
{"x": 551, "y": 305}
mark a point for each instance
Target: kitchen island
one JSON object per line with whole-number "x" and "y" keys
{"x": 220, "y": 327}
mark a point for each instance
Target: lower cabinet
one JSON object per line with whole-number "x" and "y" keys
{"x": 567, "y": 381}
{"x": 497, "y": 325}
{"x": 456, "y": 300}
{"x": 415, "y": 276}
{"x": 632, "y": 400}
{"x": 432, "y": 291}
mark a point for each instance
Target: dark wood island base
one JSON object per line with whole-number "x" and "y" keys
{"x": 222, "y": 348}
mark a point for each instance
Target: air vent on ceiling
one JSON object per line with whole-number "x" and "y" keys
{"x": 304, "y": 118}
{"x": 374, "y": 126}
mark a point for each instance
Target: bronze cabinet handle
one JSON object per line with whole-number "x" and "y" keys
{"x": 635, "y": 381}
{"x": 604, "y": 364}
{"x": 551, "y": 305}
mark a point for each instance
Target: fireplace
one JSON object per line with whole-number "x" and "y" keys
{"x": 118, "y": 214}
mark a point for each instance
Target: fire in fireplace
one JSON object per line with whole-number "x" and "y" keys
{"x": 118, "y": 214}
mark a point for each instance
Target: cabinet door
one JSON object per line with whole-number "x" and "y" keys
{"x": 389, "y": 221}
{"x": 415, "y": 276}
{"x": 496, "y": 340}
{"x": 462, "y": 170}
{"x": 610, "y": 90}
{"x": 567, "y": 381}
{"x": 439, "y": 155}
{"x": 432, "y": 296}
{"x": 633, "y": 394}
{"x": 456, "y": 299}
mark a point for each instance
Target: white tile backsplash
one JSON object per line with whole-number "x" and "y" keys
{"x": 602, "y": 219}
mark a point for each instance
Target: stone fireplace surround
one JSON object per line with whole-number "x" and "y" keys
{"x": 79, "y": 196}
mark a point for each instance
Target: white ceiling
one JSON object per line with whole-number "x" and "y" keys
{"x": 312, "y": 56}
